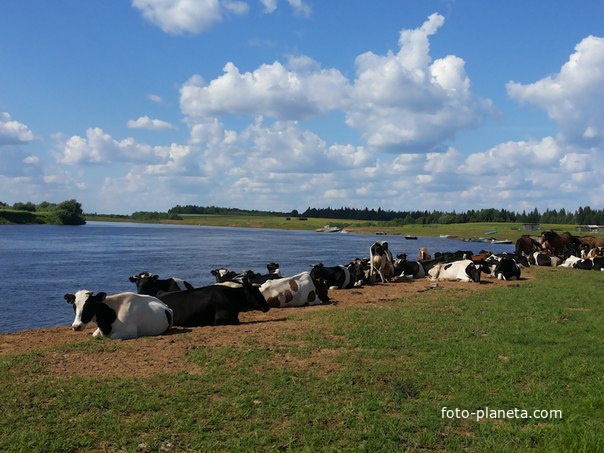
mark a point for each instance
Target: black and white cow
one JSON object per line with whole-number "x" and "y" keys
{"x": 150, "y": 284}
{"x": 598, "y": 263}
{"x": 503, "y": 267}
{"x": 339, "y": 277}
{"x": 120, "y": 316}
{"x": 403, "y": 268}
{"x": 214, "y": 305}
{"x": 544, "y": 259}
{"x": 225, "y": 276}
{"x": 464, "y": 270}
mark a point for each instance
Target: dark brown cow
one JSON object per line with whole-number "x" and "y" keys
{"x": 528, "y": 245}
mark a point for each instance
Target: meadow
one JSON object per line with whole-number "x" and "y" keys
{"x": 371, "y": 376}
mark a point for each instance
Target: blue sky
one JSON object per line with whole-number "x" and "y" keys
{"x": 285, "y": 104}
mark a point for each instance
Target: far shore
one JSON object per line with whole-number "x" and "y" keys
{"x": 486, "y": 230}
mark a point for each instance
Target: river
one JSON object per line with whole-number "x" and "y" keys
{"x": 41, "y": 263}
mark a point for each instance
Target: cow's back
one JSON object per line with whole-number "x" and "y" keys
{"x": 145, "y": 315}
{"x": 296, "y": 291}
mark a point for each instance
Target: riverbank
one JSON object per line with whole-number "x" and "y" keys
{"x": 374, "y": 369}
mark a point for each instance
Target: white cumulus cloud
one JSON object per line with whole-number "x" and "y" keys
{"x": 406, "y": 101}
{"x": 151, "y": 124}
{"x": 13, "y": 132}
{"x": 573, "y": 96}
{"x": 99, "y": 147}
{"x": 181, "y": 16}
{"x": 272, "y": 90}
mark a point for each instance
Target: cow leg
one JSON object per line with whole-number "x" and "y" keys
{"x": 97, "y": 333}
{"x": 225, "y": 318}
{"x": 127, "y": 333}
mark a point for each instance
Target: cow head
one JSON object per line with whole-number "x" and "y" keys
{"x": 222, "y": 274}
{"x": 473, "y": 271}
{"x": 146, "y": 283}
{"x": 357, "y": 272}
{"x": 253, "y": 297}
{"x": 273, "y": 268}
{"x": 85, "y": 307}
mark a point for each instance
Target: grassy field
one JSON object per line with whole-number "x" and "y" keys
{"x": 363, "y": 378}
{"x": 510, "y": 231}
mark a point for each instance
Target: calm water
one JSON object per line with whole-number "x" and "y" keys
{"x": 40, "y": 263}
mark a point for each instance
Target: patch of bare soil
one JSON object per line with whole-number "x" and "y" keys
{"x": 164, "y": 354}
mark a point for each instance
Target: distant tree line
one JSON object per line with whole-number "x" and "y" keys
{"x": 68, "y": 212}
{"x": 214, "y": 210}
{"x": 145, "y": 216}
{"x": 582, "y": 216}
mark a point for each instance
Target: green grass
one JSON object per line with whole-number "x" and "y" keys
{"x": 368, "y": 378}
{"x": 510, "y": 231}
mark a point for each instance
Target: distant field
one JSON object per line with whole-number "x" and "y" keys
{"x": 510, "y": 231}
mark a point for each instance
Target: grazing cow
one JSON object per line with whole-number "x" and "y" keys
{"x": 402, "y": 267}
{"x": 150, "y": 284}
{"x": 380, "y": 260}
{"x": 339, "y": 277}
{"x": 423, "y": 254}
{"x": 214, "y": 305}
{"x": 527, "y": 245}
{"x": 563, "y": 245}
{"x": 464, "y": 270}
{"x": 296, "y": 291}
{"x": 120, "y": 316}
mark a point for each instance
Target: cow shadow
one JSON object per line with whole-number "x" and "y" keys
{"x": 175, "y": 330}
{"x": 262, "y": 321}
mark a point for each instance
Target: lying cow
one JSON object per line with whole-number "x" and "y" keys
{"x": 150, "y": 284}
{"x": 339, "y": 277}
{"x": 464, "y": 270}
{"x": 225, "y": 276}
{"x": 544, "y": 259}
{"x": 403, "y": 268}
{"x": 503, "y": 267}
{"x": 120, "y": 316}
{"x": 214, "y": 305}
{"x": 297, "y": 291}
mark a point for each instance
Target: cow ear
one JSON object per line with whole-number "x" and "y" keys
{"x": 70, "y": 298}
{"x": 133, "y": 279}
{"x": 155, "y": 277}
{"x": 100, "y": 297}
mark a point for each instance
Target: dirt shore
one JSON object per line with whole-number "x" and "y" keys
{"x": 152, "y": 355}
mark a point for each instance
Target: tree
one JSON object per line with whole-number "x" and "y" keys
{"x": 69, "y": 213}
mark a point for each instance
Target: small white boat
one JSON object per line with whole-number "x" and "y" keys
{"x": 328, "y": 229}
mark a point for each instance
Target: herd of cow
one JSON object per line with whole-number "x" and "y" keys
{"x": 160, "y": 304}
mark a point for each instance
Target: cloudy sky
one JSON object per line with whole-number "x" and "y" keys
{"x": 286, "y": 104}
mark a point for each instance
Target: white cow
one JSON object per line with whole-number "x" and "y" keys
{"x": 296, "y": 291}
{"x": 464, "y": 270}
{"x": 120, "y": 316}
